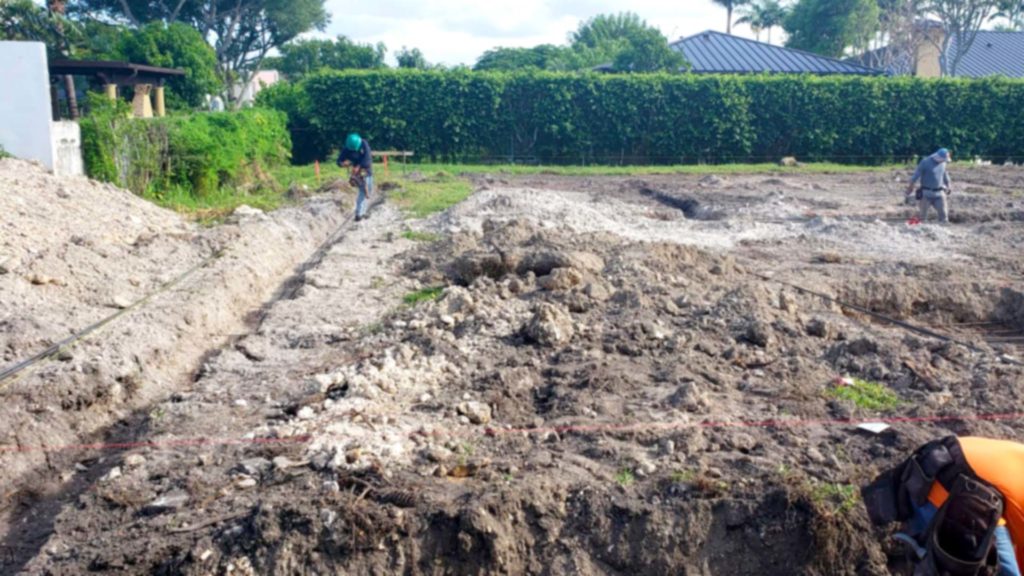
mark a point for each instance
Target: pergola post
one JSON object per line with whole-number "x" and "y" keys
{"x": 161, "y": 109}
{"x": 142, "y": 107}
{"x": 111, "y": 91}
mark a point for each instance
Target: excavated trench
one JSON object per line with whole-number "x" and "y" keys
{"x": 100, "y": 389}
{"x": 975, "y": 314}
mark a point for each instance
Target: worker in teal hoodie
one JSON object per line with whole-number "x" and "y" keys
{"x": 357, "y": 155}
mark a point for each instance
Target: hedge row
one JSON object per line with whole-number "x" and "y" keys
{"x": 200, "y": 153}
{"x": 570, "y": 118}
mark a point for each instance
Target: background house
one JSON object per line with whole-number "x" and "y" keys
{"x": 246, "y": 95}
{"x": 994, "y": 53}
{"x": 713, "y": 52}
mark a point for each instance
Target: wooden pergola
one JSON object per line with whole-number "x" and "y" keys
{"x": 144, "y": 79}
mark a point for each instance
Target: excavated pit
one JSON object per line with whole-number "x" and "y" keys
{"x": 604, "y": 386}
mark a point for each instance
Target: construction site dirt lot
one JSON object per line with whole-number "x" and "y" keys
{"x": 560, "y": 375}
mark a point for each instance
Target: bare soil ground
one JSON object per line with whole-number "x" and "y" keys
{"x": 620, "y": 376}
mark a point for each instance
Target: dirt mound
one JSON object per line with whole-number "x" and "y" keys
{"x": 72, "y": 250}
{"x": 79, "y": 252}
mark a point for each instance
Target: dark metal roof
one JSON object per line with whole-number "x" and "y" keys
{"x": 714, "y": 52}
{"x": 993, "y": 53}
{"x": 123, "y": 73}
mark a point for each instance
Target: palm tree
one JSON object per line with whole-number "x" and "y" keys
{"x": 729, "y": 5}
{"x": 773, "y": 14}
{"x": 764, "y": 15}
{"x": 754, "y": 18}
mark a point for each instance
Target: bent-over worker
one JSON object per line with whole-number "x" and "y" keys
{"x": 357, "y": 155}
{"x": 962, "y": 500}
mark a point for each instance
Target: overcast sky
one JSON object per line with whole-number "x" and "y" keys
{"x": 458, "y": 31}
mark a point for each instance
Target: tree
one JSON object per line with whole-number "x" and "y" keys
{"x": 175, "y": 46}
{"x": 241, "y": 32}
{"x": 25, "y": 21}
{"x": 729, "y": 6}
{"x": 623, "y": 39}
{"x": 763, "y": 15}
{"x": 1013, "y": 12}
{"x": 301, "y": 57}
{"x": 900, "y": 33}
{"x": 753, "y": 19}
{"x": 649, "y": 52}
{"x": 830, "y": 27}
{"x": 542, "y": 57}
{"x": 961, "y": 21}
{"x": 411, "y": 58}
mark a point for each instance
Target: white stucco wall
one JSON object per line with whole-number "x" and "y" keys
{"x": 67, "y": 149}
{"x": 25, "y": 113}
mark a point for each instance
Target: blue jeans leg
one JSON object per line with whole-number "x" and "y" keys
{"x": 1007, "y": 558}
{"x": 1004, "y": 544}
{"x": 364, "y": 192}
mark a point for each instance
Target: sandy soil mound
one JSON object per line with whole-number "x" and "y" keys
{"x": 76, "y": 252}
{"x": 72, "y": 250}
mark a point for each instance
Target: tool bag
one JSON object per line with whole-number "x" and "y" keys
{"x": 960, "y": 540}
{"x": 357, "y": 180}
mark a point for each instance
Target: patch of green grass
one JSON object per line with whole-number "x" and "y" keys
{"x": 867, "y": 395}
{"x": 306, "y": 175}
{"x": 835, "y": 498}
{"x": 417, "y": 236}
{"x": 421, "y": 199}
{"x": 4, "y": 153}
{"x": 424, "y": 295}
{"x": 212, "y": 208}
{"x": 625, "y": 477}
{"x": 443, "y": 189}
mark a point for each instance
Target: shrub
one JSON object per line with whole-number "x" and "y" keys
{"x": 309, "y": 143}
{"x": 200, "y": 153}
{"x": 564, "y": 118}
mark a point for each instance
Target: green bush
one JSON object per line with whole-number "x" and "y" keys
{"x": 200, "y": 153}
{"x": 560, "y": 118}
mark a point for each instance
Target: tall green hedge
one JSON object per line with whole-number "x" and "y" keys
{"x": 653, "y": 118}
{"x": 198, "y": 152}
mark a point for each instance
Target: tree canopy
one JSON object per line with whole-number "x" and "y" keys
{"x": 411, "y": 58}
{"x": 729, "y": 6}
{"x": 622, "y": 41}
{"x": 301, "y": 57}
{"x": 241, "y": 32}
{"x": 762, "y": 16}
{"x": 542, "y": 57}
{"x": 830, "y": 27}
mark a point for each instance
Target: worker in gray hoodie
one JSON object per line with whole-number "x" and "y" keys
{"x": 935, "y": 186}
